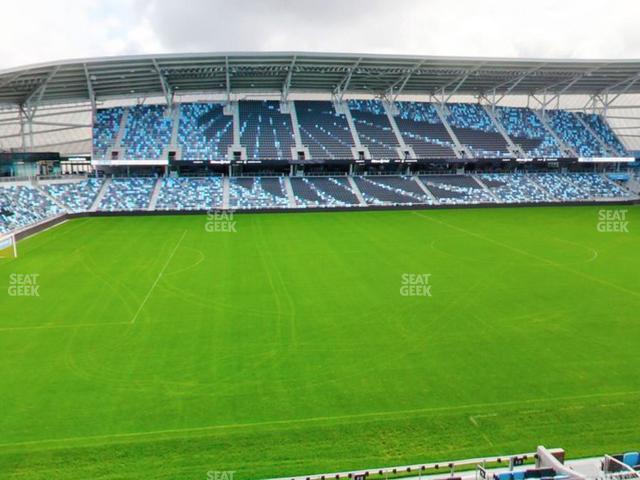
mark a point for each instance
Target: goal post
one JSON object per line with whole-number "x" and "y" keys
{"x": 8, "y": 246}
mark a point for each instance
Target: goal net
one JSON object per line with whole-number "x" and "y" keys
{"x": 8, "y": 247}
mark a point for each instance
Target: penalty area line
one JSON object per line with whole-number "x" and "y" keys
{"x": 57, "y": 442}
{"x": 166, "y": 264}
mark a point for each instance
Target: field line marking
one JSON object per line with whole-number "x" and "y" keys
{"x": 115, "y": 436}
{"x": 534, "y": 256}
{"x": 66, "y": 325}
{"x": 166, "y": 264}
{"x": 50, "y": 227}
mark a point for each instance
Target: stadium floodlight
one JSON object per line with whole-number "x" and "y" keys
{"x": 8, "y": 246}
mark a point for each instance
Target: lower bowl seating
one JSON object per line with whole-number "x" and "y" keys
{"x": 190, "y": 193}
{"x": 21, "y": 206}
{"x": 78, "y": 196}
{"x": 456, "y": 189}
{"x": 256, "y": 192}
{"x": 515, "y": 188}
{"x": 128, "y": 194}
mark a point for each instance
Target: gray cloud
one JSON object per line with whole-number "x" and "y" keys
{"x": 50, "y": 31}
{"x": 539, "y": 28}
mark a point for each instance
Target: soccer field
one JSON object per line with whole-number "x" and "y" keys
{"x": 157, "y": 349}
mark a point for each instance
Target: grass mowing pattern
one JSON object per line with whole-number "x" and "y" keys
{"x": 286, "y": 348}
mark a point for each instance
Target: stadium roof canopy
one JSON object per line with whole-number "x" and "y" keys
{"x": 148, "y": 75}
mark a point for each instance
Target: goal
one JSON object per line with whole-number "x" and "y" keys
{"x": 8, "y": 246}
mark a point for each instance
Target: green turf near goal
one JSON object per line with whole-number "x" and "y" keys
{"x": 8, "y": 246}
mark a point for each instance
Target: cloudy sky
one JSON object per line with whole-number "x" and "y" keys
{"x": 45, "y": 30}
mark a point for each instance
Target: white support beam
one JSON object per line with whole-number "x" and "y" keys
{"x": 571, "y": 82}
{"x": 92, "y": 95}
{"x": 166, "y": 88}
{"x": 514, "y": 83}
{"x": 287, "y": 82}
{"x": 227, "y": 79}
{"x": 343, "y": 85}
{"x": 32, "y": 102}
{"x": 12, "y": 78}
{"x": 628, "y": 82}
{"x": 402, "y": 82}
{"x": 458, "y": 82}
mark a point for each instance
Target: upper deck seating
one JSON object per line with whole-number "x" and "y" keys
{"x": 204, "y": 133}
{"x": 105, "y": 130}
{"x": 421, "y": 128}
{"x": 373, "y": 127}
{"x": 147, "y": 132}
{"x": 264, "y": 131}
{"x": 602, "y": 128}
{"x": 526, "y": 130}
{"x": 574, "y": 134}
{"x": 474, "y": 128}
{"x": 325, "y": 132}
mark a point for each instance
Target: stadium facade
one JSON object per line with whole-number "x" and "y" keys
{"x": 262, "y": 131}
{"x": 48, "y": 107}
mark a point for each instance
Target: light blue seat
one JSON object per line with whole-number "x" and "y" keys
{"x": 631, "y": 459}
{"x": 23, "y": 205}
{"x": 77, "y": 197}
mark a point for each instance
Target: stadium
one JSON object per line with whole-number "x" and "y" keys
{"x": 319, "y": 265}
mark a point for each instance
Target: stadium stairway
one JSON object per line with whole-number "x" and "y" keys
{"x": 356, "y": 191}
{"x": 101, "y": 193}
{"x": 225, "y": 193}
{"x": 486, "y": 189}
{"x": 425, "y": 189}
{"x": 605, "y": 147}
{"x": 515, "y": 149}
{"x": 633, "y": 186}
{"x": 62, "y": 206}
{"x": 608, "y": 181}
{"x": 154, "y": 195}
{"x": 117, "y": 144}
{"x": 547, "y": 124}
{"x": 290, "y": 195}
{"x": 534, "y": 180}
{"x": 443, "y": 118}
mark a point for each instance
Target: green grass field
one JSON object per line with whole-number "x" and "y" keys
{"x": 158, "y": 350}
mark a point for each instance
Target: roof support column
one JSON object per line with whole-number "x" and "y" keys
{"x": 490, "y": 109}
{"x": 459, "y": 149}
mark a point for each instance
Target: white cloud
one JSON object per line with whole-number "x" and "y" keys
{"x": 45, "y": 30}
